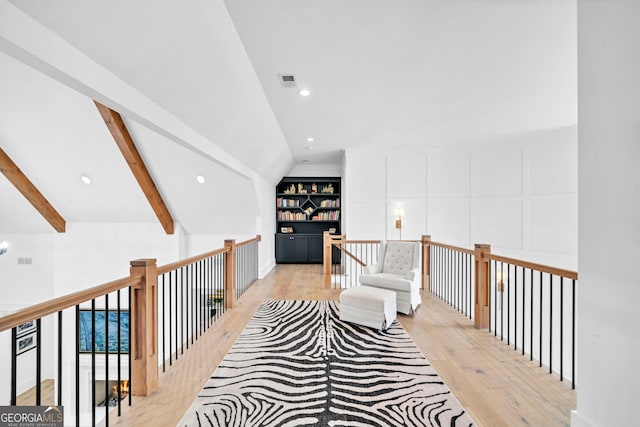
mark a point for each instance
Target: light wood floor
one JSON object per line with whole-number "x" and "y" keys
{"x": 28, "y": 398}
{"x": 496, "y": 385}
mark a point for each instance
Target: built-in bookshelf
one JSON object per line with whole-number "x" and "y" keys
{"x": 305, "y": 208}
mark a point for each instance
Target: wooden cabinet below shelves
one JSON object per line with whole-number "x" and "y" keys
{"x": 301, "y": 249}
{"x": 292, "y": 248}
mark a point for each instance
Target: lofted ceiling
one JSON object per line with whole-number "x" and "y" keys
{"x": 197, "y": 83}
{"x": 412, "y": 72}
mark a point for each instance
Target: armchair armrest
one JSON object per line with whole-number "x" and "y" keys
{"x": 372, "y": 269}
{"x": 412, "y": 274}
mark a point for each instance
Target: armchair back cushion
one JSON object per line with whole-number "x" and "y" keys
{"x": 399, "y": 257}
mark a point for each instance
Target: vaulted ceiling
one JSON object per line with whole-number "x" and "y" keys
{"x": 197, "y": 85}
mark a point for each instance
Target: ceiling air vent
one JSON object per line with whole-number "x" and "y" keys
{"x": 287, "y": 80}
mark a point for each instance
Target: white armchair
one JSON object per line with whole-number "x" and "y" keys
{"x": 398, "y": 269}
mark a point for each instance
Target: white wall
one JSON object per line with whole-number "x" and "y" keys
{"x": 609, "y": 209}
{"x": 266, "y": 225}
{"x": 24, "y": 284}
{"x": 90, "y": 254}
{"x": 313, "y": 169}
{"x": 520, "y": 196}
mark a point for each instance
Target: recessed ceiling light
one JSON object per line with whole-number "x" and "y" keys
{"x": 308, "y": 148}
{"x": 311, "y": 139}
{"x": 200, "y": 179}
{"x": 304, "y": 92}
{"x": 85, "y": 179}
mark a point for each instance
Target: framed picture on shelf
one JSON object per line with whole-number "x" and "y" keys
{"x": 26, "y": 328}
{"x": 25, "y": 343}
{"x": 286, "y": 230}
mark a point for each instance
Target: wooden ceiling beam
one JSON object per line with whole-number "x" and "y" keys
{"x": 128, "y": 149}
{"x": 30, "y": 192}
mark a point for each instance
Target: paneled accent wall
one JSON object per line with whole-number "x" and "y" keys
{"x": 520, "y": 196}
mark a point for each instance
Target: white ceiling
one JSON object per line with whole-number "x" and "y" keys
{"x": 198, "y": 85}
{"x": 412, "y": 72}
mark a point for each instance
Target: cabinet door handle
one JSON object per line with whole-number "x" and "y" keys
{"x": 290, "y": 238}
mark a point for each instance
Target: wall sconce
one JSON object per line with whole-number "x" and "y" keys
{"x": 4, "y": 246}
{"x": 399, "y": 213}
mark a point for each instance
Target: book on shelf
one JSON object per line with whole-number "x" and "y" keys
{"x": 326, "y": 216}
{"x": 328, "y": 203}
{"x": 287, "y": 203}
{"x": 291, "y": 216}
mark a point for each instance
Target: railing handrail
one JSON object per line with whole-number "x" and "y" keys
{"x": 355, "y": 241}
{"x": 58, "y": 304}
{"x": 349, "y": 254}
{"x": 178, "y": 264}
{"x": 455, "y": 248}
{"x": 569, "y": 274}
{"x": 246, "y": 242}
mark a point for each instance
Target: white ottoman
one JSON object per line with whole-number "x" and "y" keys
{"x": 364, "y": 305}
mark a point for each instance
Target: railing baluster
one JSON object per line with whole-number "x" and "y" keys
{"x": 14, "y": 365}
{"x": 502, "y": 303}
{"x": 494, "y": 268}
{"x": 524, "y": 297}
{"x": 448, "y": 276}
{"x": 440, "y": 273}
{"x": 189, "y": 301}
{"x": 171, "y": 274}
{"x": 77, "y": 357}
{"x": 106, "y": 358}
{"x": 550, "y": 323}
{"x": 177, "y": 316}
{"x": 130, "y": 357}
{"x": 38, "y": 362}
{"x": 515, "y": 308}
{"x": 561, "y": 328}
{"x": 464, "y": 283}
{"x": 471, "y": 286}
{"x": 531, "y": 319}
{"x": 119, "y": 333}
{"x": 573, "y": 334}
{"x": 93, "y": 362}
{"x": 183, "y": 313}
{"x": 458, "y": 267}
{"x": 193, "y": 270}
{"x": 164, "y": 367}
{"x": 59, "y": 402}
{"x": 541, "y": 304}
{"x": 508, "y": 291}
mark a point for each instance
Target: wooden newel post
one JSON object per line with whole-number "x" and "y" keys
{"x": 326, "y": 259}
{"x": 426, "y": 254}
{"x": 230, "y": 276}
{"x": 144, "y": 328}
{"x": 482, "y": 286}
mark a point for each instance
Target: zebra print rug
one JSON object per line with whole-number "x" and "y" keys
{"x": 297, "y": 364}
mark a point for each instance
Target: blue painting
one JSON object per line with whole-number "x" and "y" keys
{"x": 102, "y": 343}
